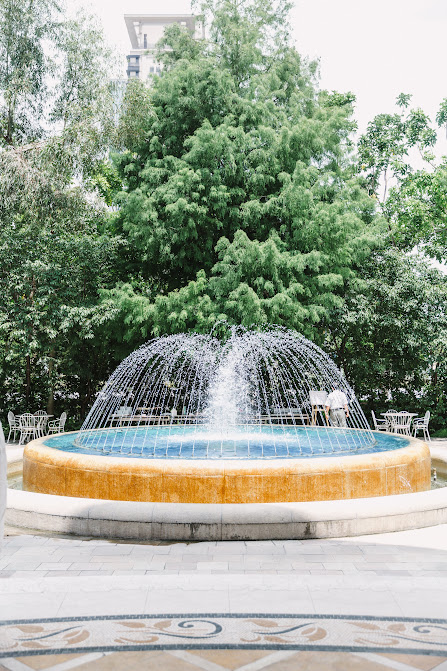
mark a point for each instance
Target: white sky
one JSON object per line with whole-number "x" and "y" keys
{"x": 374, "y": 49}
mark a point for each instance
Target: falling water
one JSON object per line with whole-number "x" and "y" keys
{"x": 190, "y": 396}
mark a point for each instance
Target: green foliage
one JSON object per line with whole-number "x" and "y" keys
{"x": 236, "y": 200}
{"x": 136, "y": 117}
{"x": 82, "y": 104}
{"x": 390, "y": 334}
{"x": 247, "y": 35}
{"x": 25, "y": 26}
{"x": 239, "y": 198}
{"x": 413, "y": 201}
{"x": 418, "y": 208}
{"x": 54, "y": 256}
{"x": 106, "y": 180}
{"x": 53, "y": 263}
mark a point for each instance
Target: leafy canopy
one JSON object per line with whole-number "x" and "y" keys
{"x": 238, "y": 180}
{"x": 412, "y": 200}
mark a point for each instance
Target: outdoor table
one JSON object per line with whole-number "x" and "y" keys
{"x": 41, "y": 423}
{"x": 390, "y": 416}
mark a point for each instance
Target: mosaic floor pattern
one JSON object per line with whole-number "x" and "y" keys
{"x": 263, "y": 632}
{"x": 226, "y": 660}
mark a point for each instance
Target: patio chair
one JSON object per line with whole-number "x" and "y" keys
{"x": 421, "y": 424}
{"x": 27, "y": 427}
{"x": 401, "y": 423}
{"x": 57, "y": 425}
{"x": 379, "y": 424}
{"x": 13, "y": 425}
{"x": 41, "y": 422}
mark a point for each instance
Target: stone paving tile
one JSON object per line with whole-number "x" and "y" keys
{"x": 339, "y": 566}
{"x": 316, "y": 558}
{"x": 221, "y": 566}
{"x": 319, "y": 571}
{"x": 27, "y": 606}
{"x": 143, "y": 549}
{"x": 422, "y": 603}
{"x": 264, "y": 550}
{"x": 105, "y": 559}
{"x": 252, "y": 601}
{"x": 116, "y": 602}
{"x": 29, "y": 574}
{"x": 296, "y": 572}
{"x": 23, "y": 565}
{"x": 421, "y": 662}
{"x": 80, "y": 566}
{"x": 115, "y": 566}
{"x": 56, "y": 566}
{"x": 198, "y": 601}
{"x": 114, "y": 550}
{"x": 67, "y": 574}
{"x": 296, "y": 566}
{"x": 356, "y": 601}
{"x": 153, "y": 565}
{"x": 306, "y": 550}
{"x": 393, "y": 572}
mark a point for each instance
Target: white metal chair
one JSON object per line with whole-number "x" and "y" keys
{"x": 401, "y": 423}
{"x": 27, "y": 427}
{"x": 379, "y": 424}
{"x": 14, "y": 426}
{"x": 57, "y": 425}
{"x": 421, "y": 424}
{"x": 41, "y": 422}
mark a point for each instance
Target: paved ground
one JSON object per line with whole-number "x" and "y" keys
{"x": 418, "y": 554}
{"x": 380, "y": 585}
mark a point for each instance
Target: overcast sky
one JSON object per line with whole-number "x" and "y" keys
{"x": 375, "y": 49}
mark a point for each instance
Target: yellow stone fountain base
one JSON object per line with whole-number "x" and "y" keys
{"x": 52, "y": 471}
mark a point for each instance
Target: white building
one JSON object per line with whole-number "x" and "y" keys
{"x": 145, "y": 30}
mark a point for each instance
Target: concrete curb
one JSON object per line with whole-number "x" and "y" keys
{"x": 195, "y": 521}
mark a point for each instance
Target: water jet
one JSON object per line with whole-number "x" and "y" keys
{"x": 186, "y": 419}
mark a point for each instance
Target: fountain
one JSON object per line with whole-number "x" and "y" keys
{"x": 187, "y": 419}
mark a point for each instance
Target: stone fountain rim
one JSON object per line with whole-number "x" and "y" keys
{"x": 215, "y": 522}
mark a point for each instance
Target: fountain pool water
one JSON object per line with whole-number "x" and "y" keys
{"x": 240, "y": 442}
{"x": 186, "y": 418}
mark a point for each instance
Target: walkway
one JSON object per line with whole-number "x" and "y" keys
{"x": 368, "y": 603}
{"x": 379, "y": 587}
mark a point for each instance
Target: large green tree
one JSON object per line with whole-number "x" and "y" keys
{"x": 54, "y": 253}
{"x": 398, "y": 161}
{"x": 240, "y": 200}
{"x": 390, "y": 334}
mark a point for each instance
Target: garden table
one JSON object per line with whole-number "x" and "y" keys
{"x": 41, "y": 422}
{"x": 400, "y": 422}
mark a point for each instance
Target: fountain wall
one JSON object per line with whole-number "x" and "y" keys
{"x": 401, "y": 471}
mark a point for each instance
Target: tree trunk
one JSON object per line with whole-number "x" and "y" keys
{"x": 50, "y": 403}
{"x": 28, "y": 381}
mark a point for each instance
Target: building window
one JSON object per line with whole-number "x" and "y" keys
{"x": 144, "y": 41}
{"x": 151, "y": 69}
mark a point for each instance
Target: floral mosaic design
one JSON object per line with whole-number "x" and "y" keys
{"x": 302, "y": 632}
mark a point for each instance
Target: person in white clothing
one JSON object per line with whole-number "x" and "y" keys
{"x": 337, "y": 407}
